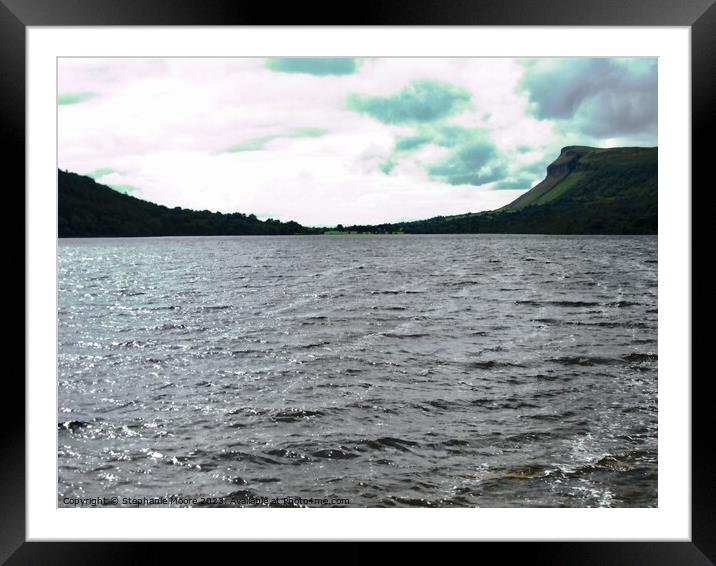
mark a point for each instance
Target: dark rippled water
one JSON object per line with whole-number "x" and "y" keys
{"x": 491, "y": 371}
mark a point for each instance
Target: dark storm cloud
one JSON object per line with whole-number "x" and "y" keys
{"x": 597, "y": 97}
{"x": 320, "y": 66}
{"x": 419, "y": 102}
{"x": 473, "y": 158}
{"x": 519, "y": 181}
{"x": 476, "y": 162}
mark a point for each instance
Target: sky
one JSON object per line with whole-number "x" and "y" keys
{"x": 326, "y": 141}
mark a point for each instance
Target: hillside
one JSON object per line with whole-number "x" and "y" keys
{"x": 586, "y": 191}
{"x": 88, "y": 209}
{"x": 592, "y": 175}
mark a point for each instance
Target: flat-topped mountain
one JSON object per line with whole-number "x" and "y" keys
{"x": 593, "y": 175}
{"x": 587, "y": 190}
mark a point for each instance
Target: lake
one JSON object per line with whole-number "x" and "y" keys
{"x": 361, "y": 371}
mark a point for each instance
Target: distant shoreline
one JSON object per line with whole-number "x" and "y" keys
{"x": 587, "y": 191}
{"x": 346, "y": 234}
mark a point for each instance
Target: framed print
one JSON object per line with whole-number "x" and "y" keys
{"x": 405, "y": 277}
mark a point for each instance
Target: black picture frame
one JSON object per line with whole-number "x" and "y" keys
{"x": 699, "y": 15}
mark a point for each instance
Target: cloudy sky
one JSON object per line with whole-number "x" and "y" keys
{"x": 341, "y": 140}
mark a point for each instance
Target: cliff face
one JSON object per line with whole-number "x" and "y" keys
{"x": 568, "y": 159}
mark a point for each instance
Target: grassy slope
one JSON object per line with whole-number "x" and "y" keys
{"x": 539, "y": 190}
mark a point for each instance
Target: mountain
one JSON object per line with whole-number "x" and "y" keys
{"x": 587, "y": 190}
{"x": 591, "y": 175}
{"x": 88, "y": 209}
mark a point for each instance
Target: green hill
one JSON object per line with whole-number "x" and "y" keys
{"x": 592, "y": 175}
{"x": 587, "y": 190}
{"x": 88, "y": 209}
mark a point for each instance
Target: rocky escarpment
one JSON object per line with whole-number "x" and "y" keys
{"x": 569, "y": 159}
